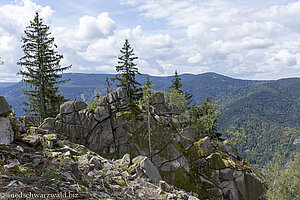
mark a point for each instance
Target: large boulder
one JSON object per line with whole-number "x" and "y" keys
{"x": 5, "y": 108}
{"x": 6, "y": 132}
{"x": 144, "y": 165}
{"x": 72, "y": 106}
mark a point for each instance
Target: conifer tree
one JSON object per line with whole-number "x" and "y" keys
{"x": 108, "y": 85}
{"x": 203, "y": 119}
{"x": 126, "y": 72}
{"x": 40, "y": 68}
{"x": 176, "y": 83}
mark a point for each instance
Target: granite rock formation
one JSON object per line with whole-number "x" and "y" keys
{"x": 6, "y": 132}
{"x": 210, "y": 169}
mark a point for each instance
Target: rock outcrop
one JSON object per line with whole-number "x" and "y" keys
{"x": 6, "y": 132}
{"x": 59, "y": 169}
{"x": 210, "y": 169}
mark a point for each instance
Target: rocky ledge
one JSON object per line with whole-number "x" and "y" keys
{"x": 207, "y": 169}
{"x": 43, "y": 164}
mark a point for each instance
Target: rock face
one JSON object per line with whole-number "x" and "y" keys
{"x": 213, "y": 170}
{"x": 6, "y": 132}
{"x": 5, "y": 108}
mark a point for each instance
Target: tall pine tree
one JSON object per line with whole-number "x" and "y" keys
{"x": 40, "y": 70}
{"x": 176, "y": 85}
{"x": 126, "y": 72}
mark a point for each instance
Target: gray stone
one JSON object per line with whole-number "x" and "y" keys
{"x": 111, "y": 97}
{"x": 160, "y": 109}
{"x": 32, "y": 140}
{"x": 19, "y": 148}
{"x": 5, "y": 108}
{"x": 72, "y": 106}
{"x": 159, "y": 98}
{"x": 71, "y": 118}
{"x": 36, "y": 130}
{"x": 102, "y": 101}
{"x": 230, "y": 150}
{"x": 206, "y": 146}
{"x": 101, "y": 137}
{"x": 231, "y": 191}
{"x": 192, "y": 198}
{"x": 143, "y": 163}
{"x": 188, "y": 133}
{"x": 174, "y": 109}
{"x": 101, "y": 113}
{"x": 121, "y": 93}
{"x": 89, "y": 122}
{"x": 68, "y": 176}
{"x": 124, "y": 161}
{"x": 48, "y": 123}
{"x": 170, "y": 166}
{"x": 36, "y": 162}
{"x": 226, "y": 174}
{"x": 6, "y": 132}
{"x": 250, "y": 187}
{"x": 12, "y": 163}
{"x": 237, "y": 174}
{"x": 96, "y": 162}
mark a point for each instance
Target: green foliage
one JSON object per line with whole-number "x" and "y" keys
{"x": 41, "y": 65}
{"x": 126, "y": 72}
{"x": 267, "y": 113}
{"x": 177, "y": 98}
{"x": 176, "y": 83}
{"x": 238, "y": 138}
{"x": 283, "y": 181}
{"x": 108, "y": 85}
{"x": 203, "y": 119}
{"x": 94, "y": 102}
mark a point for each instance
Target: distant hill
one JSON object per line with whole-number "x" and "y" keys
{"x": 268, "y": 113}
{"x": 6, "y": 84}
{"x": 83, "y": 86}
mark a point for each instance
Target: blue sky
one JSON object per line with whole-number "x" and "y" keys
{"x": 238, "y": 38}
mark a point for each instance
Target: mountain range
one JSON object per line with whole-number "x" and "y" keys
{"x": 266, "y": 113}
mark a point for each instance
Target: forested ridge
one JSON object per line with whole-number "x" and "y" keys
{"x": 264, "y": 113}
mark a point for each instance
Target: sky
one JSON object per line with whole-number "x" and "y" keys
{"x": 246, "y": 39}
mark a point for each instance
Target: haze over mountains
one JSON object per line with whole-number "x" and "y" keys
{"x": 84, "y": 86}
{"x": 268, "y": 111}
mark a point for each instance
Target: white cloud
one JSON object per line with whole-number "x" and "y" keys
{"x": 190, "y": 36}
{"x": 93, "y": 28}
{"x": 14, "y": 19}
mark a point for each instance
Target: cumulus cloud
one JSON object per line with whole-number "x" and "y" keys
{"x": 191, "y": 36}
{"x": 14, "y": 19}
{"x": 242, "y": 41}
{"x": 92, "y": 28}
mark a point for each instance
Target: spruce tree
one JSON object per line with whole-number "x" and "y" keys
{"x": 40, "y": 70}
{"x": 176, "y": 83}
{"x": 126, "y": 72}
